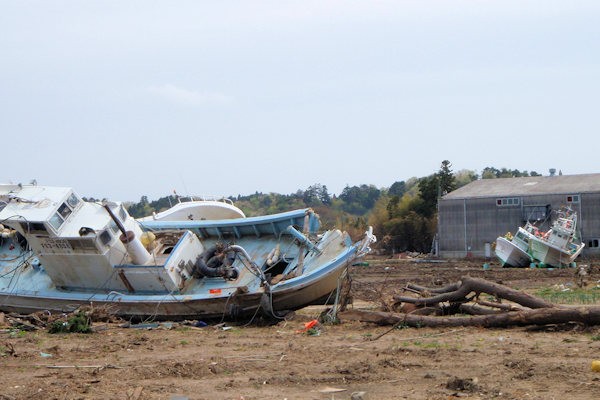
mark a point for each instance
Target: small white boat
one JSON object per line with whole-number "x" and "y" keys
{"x": 197, "y": 209}
{"x": 59, "y": 252}
{"x": 512, "y": 250}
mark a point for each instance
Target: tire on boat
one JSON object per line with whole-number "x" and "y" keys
{"x": 215, "y": 262}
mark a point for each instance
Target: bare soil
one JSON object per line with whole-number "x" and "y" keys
{"x": 350, "y": 360}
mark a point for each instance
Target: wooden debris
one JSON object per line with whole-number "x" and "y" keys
{"x": 455, "y": 299}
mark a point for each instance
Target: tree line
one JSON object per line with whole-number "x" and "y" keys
{"x": 403, "y": 215}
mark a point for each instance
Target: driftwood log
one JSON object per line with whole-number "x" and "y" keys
{"x": 463, "y": 298}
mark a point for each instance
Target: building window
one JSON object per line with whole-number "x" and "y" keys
{"x": 536, "y": 213}
{"x": 593, "y": 243}
{"x": 573, "y": 198}
{"x": 508, "y": 201}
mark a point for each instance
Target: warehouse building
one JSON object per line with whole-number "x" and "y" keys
{"x": 472, "y": 217}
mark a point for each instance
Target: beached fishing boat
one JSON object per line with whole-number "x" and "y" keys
{"x": 559, "y": 246}
{"x": 512, "y": 250}
{"x": 59, "y": 252}
{"x": 556, "y": 247}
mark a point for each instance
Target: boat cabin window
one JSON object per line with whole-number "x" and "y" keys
{"x": 34, "y": 227}
{"x": 64, "y": 211}
{"x": 593, "y": 243}
{"x": 56, "y": 221}
{"x": 113, "y": 227}
{"x": 83, "y": 244}
{"x": 122, "y": 213}
{"x": 522, "y": 236}
{"x": 105, "y": 237}
{"x": 72, "y": 201}
{"x": 60, "y": 216}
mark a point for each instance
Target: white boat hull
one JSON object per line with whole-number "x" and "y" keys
{"x": 552, "y": 256}
{"x": 287, "y": 296}
{"x": 510, "y": 255}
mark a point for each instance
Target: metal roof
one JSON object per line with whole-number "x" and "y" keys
{"x": 528, "y": 186}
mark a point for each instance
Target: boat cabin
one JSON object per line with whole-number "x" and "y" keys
{"x": 89, "y": 246}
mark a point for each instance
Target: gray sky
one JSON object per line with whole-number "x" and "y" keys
{"x": 121, "y": 99}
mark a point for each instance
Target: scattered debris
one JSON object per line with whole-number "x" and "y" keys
{"x": 311, "y": 328}
{"x": 464, "y": 298}
{"x": 332, "y": 390}
{"x": 9, "y": 349}
{"x": 74, "y": 323}
{"x": 582, "y": 274}
{"x": 100, "y": 367}
{"x": 463, "y": 385}
{"x": 135, "y": 393}
{"x": 357, "y": 395}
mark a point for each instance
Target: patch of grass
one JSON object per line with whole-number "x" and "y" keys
{"x": 571, "y": 296}
{"x": 428, "y": 345}
{"x": 595, "y": 337}
{"x": 77, "y": 323}
{"x": 17, "y": 333}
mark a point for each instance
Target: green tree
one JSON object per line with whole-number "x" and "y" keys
{"x": 464, "y": 177}
{"x": 358, "y": 200}
{"x": 429, "y": 189}
{"x": 397, "y": 189}
{"x": 446, "y": 178}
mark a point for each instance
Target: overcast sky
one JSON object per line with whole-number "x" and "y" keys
{"x": 121, "y": 99}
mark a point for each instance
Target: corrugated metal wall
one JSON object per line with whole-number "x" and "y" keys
{"x": 466, "y": 225}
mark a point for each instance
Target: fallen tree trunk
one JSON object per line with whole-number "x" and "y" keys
{"x": 540, "y": 316}
{"x": 459, "y": 292}
{"x": 463, "y": 298}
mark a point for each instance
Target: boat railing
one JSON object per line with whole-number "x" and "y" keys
{"x": 189, "y": 199}
{"x": 364, "y": 246}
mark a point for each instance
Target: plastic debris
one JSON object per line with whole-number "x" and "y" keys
{"x": 311, "y": 328}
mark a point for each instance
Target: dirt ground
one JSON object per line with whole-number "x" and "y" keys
{"x": 345, "y": 361}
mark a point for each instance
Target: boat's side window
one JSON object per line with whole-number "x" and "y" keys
{"x": 593, "y": 243}
{"x": 34, "y": 227}
{"x": 64, "y": 210}
{"x": 72, "y": 201}
{"x": 122, "y": 213}
{"x": 83, "y": 244}
{"x": 56, "y": 221}
{"x": 105, "y": 237}
{"x": 114, "y": 227}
